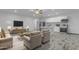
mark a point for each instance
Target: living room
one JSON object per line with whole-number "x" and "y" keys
{"x": 15, "y": 23}
{"x": 39, "y": 29}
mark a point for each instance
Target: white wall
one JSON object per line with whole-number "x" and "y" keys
{"x": 73, "y": 22}
{"x": 7, "y": 20}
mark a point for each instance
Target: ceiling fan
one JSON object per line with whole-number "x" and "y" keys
{"x": 37, "y": 12}
{"x": 44, "y": 12}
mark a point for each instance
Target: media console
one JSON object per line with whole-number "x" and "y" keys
{"x": 16, "y": 30}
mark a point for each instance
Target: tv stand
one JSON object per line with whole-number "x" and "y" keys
{"x": 17, "y": 30}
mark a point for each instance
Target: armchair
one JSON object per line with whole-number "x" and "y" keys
{"x": 6, "y": 41}
{"x": 45, "y": 36}
{"x": 33, "y": 40}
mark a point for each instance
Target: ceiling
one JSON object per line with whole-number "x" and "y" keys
{"x": 46, "y": 12}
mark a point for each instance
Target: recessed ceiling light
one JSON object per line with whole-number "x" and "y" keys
{"x": 31, "y": 9}
{"x": 48, "y": 15}
{"x": 52, "y": 9}
{"x": 15, "y": 11}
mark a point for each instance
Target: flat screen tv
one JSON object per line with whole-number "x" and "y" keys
{"x": 18, "y": 23}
